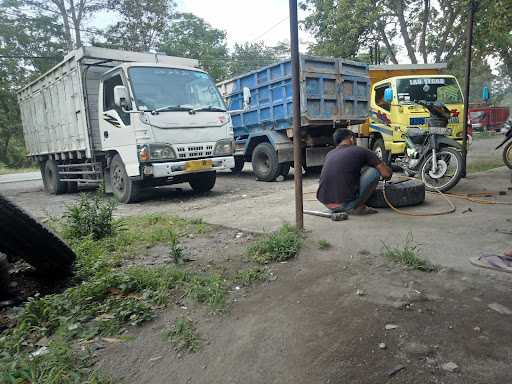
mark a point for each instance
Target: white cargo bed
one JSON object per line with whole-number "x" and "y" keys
{"x": 60, "y": 115}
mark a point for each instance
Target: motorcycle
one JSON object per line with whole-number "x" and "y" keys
{"x": 507, "y": 151}
{"x": 431, "y": 154}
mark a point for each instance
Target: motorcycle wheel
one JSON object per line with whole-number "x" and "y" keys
{"x": 507, "y": 155}
{"x": 448, "y": 173}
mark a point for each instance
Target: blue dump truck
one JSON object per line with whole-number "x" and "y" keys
{"x": 334, "y": 93}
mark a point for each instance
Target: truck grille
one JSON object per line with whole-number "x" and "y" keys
{"x": 194, "y": 151}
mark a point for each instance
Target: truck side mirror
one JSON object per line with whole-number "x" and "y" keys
{"x": 486, "y": 95}
{"x": 121, "y": 98}
{"x": 247, "y": 98}
{"x": 388, "y": 95}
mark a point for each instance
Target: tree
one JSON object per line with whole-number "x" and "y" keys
{"x": 190, "y": 36}
{"x": 142, "y": 24}
{"x": 249, "y": 56}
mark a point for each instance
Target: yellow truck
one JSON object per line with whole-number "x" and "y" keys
{"x": 388, "y": 122}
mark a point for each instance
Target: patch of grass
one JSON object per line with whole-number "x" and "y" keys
{"x": 408, "y": 255}
{"x": 484, "y": 165}
{"x": 277, "y": 246}
{"x": 175, "y": 249}
{"x": 183, "y": 335}
{"x": 4, "y": 170}
{"x": 250, "y": 276}
{"x": 324, "y": 244}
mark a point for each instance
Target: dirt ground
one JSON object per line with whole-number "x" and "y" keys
{"x": 321, "y": 320}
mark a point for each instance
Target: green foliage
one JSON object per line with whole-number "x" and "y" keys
{"x": 183, "y": 336}
{"x": 324, "y": 244}
{"x": 91, "y": 216}
{"x": 249, "y": 56}
{"x": 408, "y": 255}
{"x": 277, "y": 246}
{"x": 175, "y": 249}
{"x": 249, "y": 276}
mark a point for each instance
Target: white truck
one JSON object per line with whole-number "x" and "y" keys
{"x": 132, "y": 120}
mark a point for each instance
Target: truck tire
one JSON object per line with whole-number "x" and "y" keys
{"x": 265, "y": 163}
{"x": 380, "y": 150}
{"x": 314, "y": 170}
{"x": 24, "y": 237}
{"x": 203, "y": 182}
{"x": 51, "y": 179}
{"x": 239, "y": 164}
{"x": 402, "y": 194}
{"x": 125, "y": 190}
{"x": 284, "y": 168}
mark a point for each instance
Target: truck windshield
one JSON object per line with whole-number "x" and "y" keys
{"x": 173, "y": 89}
{"x": 443, "y": 89}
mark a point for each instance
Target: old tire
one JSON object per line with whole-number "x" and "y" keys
{"x": 265, "y": 163}
{"x": 507, "y": 155}
{"x": 401, "y": 194}
{"x": 380, "y": 150}
{"x": 239, "y": 164}
{"x": 124, "y": 188}
{"x": 24, "y": 237}
{"x": 203, "y": 182}
{"x": 51, "y": 178}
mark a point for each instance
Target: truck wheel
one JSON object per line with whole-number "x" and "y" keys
{"x": 401, "y": 194}
{"x": 23, "y": 237}
{"x": 314, "y": 170}
{"x": 123, "y": 187}
{"x": 203, "y": 182}
{"x": 239, "y": 164}
{"x": 380, "y": 150}
{"x": 51, "y": 179}
{"x": 284, "y": 168}
{"x": 265, "y": 163}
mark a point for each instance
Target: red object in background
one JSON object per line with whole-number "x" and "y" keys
{"x": 487, "y": 118}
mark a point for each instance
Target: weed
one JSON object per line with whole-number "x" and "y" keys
{"x": 277, "y": 246}
{"x": 324, "y": 244}
{"x": 408, "y": 255}
{"x": 175, "y": 249}
{"x": 183, "y": 336}
{"x": 91, "y": 216}
{"x": 250, "y": 276}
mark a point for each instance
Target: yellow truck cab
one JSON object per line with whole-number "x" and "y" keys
{"x": 389, "y": 122}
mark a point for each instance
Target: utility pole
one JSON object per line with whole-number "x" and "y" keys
{"x": 297, "y": 150}
{"x": 473, "y": 5}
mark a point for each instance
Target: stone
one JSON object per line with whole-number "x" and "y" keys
{"x": 450, "y": 367}
{"x": 360, "y": 292}
{"x": 417, "y": 349}
{"x": 388, "y": 327}
{"x": 501, "y": 309}
{"x": 477, "y": 329}
{"x": 382, "y": 346}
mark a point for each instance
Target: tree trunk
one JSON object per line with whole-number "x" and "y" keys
{"x": 67, "y": 30}
{"x": 444, "y": 36}
{"x": 388, "y": 45}
{"x": 423, "y": 45}
{"x": 399, "y": 10}
{"x": 76, "y": 24}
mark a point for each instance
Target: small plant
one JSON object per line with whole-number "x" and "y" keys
{"x": 250, "y": 276}
{"x": 277, "y": 246}
{"x": 175, "y": 249}
{"x": 183, "y": 336}
{"x": 408, "y": 255}
{"x": 91, "y": 216}
{"x": 324, "y": 244}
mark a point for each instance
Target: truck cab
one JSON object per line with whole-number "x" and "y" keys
{"x": 162, "y": 124}
{"x": 389, "y": 122}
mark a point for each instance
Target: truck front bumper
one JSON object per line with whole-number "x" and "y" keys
{"x": 176, "y": 168}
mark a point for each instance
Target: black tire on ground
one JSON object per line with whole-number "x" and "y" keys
{"x": 123, "y": 187}
{"x": 315, "y": 170}
{"x": 507, "y": 155}
{"x": 4, "y": 276}
{"x": 265, "y": 163}
{"x": 402, "y": 194}
{"x": 239, "y": 164}
{"x": 203, "y": 182}
{"x": 24, "y": 237}
{"x": 284, "y": 168}
{"x": 380, "y": 150}
{"x": 51, "y": 178}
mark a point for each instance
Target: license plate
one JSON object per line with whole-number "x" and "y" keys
{"x": 198, "y": 165}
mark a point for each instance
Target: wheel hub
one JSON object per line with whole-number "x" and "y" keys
{"x": 442, "y": 167}
{"x": 118, "y": 179}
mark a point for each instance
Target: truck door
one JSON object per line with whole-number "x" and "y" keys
{"x": 380, "y": 113}
{"x": 115, "y": 125}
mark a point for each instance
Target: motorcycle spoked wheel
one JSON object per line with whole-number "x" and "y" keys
{"x": 507, "y": 155}
{"x": 448, "y": 173}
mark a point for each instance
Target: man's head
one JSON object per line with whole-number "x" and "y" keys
{"x": 343, "y": 136}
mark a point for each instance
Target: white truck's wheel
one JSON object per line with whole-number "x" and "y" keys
{"x": 51, "y": 177}
{"x": 203, "y": 182}
{"x": 123, "y": 187}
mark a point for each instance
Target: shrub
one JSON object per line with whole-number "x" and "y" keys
{"x": 277, "y": 246}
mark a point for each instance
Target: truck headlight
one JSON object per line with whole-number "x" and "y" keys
{"x": 224, "y": 147}
{"x": 156, "y": 152}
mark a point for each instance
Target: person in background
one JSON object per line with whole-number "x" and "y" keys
{"x": 350, "y": 175}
